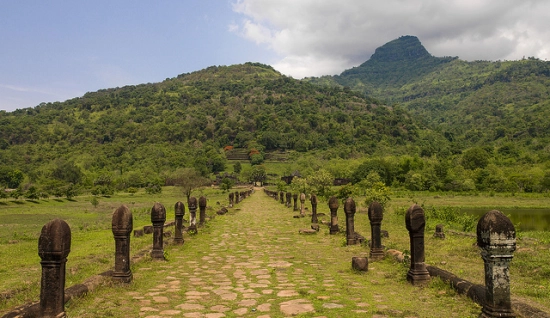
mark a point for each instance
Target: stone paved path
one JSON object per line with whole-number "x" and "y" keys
{"x": 252, "y": 262}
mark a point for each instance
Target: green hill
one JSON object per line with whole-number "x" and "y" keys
{"x": 187, "y": 120}
{"x": 471, "y": 103}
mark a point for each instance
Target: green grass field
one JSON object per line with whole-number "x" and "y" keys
{"x": 92, "y": 249}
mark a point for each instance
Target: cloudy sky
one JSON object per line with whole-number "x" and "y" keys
{"x": 60, "y": 49}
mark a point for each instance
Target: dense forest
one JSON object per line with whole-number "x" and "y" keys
{"x": 146, "y": 132}
{"x": 404, "y": 119}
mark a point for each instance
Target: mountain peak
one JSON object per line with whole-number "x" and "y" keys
{"x": 405, "y": 48}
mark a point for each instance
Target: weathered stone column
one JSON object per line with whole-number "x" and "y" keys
{"x": 158, "y": 217}
{"x": 179, "y": 209}
{"x": 54, "y": 246}
{"x": 376, "y": 213}
{"x": 202, "y": 210}
{"x": 314, "y": 209}
{"x": 416, "y": 222}
{"x": 231, "y": 198}
{"x": 237, "y": 200}
{"x": 302, "y": 202}
{"x": 439, "y": 231}
{"x": 496, "y": 236}
{"x": 333, "y": 206}
{"x": 122, "y": 225}
{"x": 288, "y": 199}
{"x": 295, "y": 198}
{"x": 282, "y": 197}
{"x": 349, "y": 210}
{"x": 192, "y": 205}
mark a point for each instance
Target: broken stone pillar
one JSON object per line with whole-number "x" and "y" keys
{"x": 376, "y": 213}
{"x": 349, "y": 210}
{"x": 54, "y": 246}
{"x": 231, "y": 198}
{"x": 295, "y": 198}
{"x": 179, "y": 209}
{"x": 302, "y": 207}
{"x": 237, "y": 199}
{"x": 192, "y": 205}
{"x": 122, "y": 225}
{"x": 202, "y": 210}
{"x": 158, "y": 217}
{"x": 439, "y": 231}
{"x": 288, "y": 199}
{"x": 496, "y": 236}
{"x": 416, "y": 222}
{"x": 333, "y": 206}
{"x": 314, "y": 219}
{"x": 360, "y": 263}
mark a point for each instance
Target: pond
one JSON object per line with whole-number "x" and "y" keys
{"x": 528, "y": 219}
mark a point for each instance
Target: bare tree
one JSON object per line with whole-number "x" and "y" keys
{"x": 189, "y": 179}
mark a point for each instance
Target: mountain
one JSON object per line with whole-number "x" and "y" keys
{"x": 484, "y": 103}
{"x": 185, "y": 121}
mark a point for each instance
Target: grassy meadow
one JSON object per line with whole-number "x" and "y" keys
{"x": 92, "y": 246}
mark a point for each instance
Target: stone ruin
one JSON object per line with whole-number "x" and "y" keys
{"x": 496, "y": 237}
{"x": 122, "y": 225}
{"x": 158, "y": 217}
{"x": 179, "y": 210}
{"x": 288, "y": 199}
{"x": 54, "y": 245}
{"x": 416, "y": 222}
{"x": 302, "y": 207}
{"x": 349, "y": 210}
{"x": 376, "y": 214}
{"x": 333, "y": 206}
{"x": 202, "y": 210}
{"x": 295, "y": 199}
{"x": 192, "y": 205}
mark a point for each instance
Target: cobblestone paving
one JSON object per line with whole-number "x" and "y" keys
{"x": 252, "y": 262}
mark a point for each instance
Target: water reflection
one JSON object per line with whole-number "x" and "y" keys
{"x": 528, "y": 219}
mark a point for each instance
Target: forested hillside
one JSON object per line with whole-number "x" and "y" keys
{"x": 143, "y": 132}
{"x": 501, "y": 103}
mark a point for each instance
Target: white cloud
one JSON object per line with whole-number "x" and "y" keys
{"x": 316, "y": 37}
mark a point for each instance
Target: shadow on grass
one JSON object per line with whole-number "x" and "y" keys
{"x": 33, "y": 201}
{"x": 58, "y": 200}
{"x": 72, "y": 200}
{"x": 3, "y": 203}
{"x": 18, "y": 202}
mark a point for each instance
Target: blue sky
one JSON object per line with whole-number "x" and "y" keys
{"x": 56, "y": 50}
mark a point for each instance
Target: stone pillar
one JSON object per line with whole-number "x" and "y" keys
{"x": 179, "y": 209}
{"x": 288, "y": 199}
{"x": 202, "y": 209}
{"x": 349, "y": 210}
{"x": 416, "y": 222}
{"x": 295, "y": 198}
{"x": 122, "y": 225}
{"x": 282, "y": 197}
{"x": 302, "y": 202}
{"x": 376, "y": 213}
{"x": 439, "y": 231}
{"x": 496, "y": 236}
{"x": 231, "y": 198}
{"x": 54, "y": 246}
{"x": 333, "y": 206}
{"x": 192, "y": 205}
{"x": 158, "y": 217}
{"x": 237, "y": 197}
{"x": 314, "y": 209}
